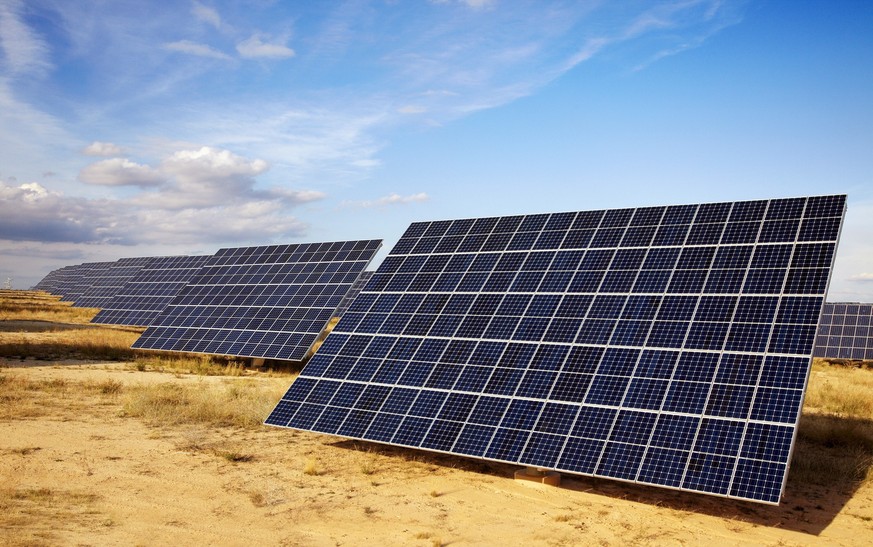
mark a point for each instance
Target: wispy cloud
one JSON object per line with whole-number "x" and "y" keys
{"x": 865, "y": 277}
{"x": 24, "y": 51}
{"x": 390, "y": 199}
{"x": 206, "y": 14}
{"x": 254, "y": 47}
{"x": 193, "y": 48}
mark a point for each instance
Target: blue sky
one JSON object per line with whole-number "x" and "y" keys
{"x": 130, "y": 128}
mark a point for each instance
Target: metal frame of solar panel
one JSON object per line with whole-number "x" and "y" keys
{"x": 145, "y": 296}
{"x": 350, "y": 296}
{"x": 667, "y": 346}
{"x": 261, "y": 302}
{"x": 111, "y": 280}
{"x": 845, "y": 331}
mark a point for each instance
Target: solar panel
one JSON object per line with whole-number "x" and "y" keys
{"x": 350, "y": 296}
{"x": 263, "y": 302}
{"x": 105, "y": 286}
{"x": 667, "y": 346}
{"x": 845, "y": 331}
{"x": 53, "y": 280}
{"x": 146, "y": 295}
{"x": 80, "y": 280}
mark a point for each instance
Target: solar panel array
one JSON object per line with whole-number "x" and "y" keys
{"x": 146, "y": 295}
{"x": 667, "y": 346}
{"x": 350, "y": 296}
{"x": 263, "y": 302}
{"x": 53, "y": 280}
{"x": 111, "y": 280}
{"x": 81, "y": 279}
{"x": 845, "y": 331}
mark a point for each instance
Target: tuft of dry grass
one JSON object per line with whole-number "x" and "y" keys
{"x": 311, "y": 468}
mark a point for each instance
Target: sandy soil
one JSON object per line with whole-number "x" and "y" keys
{"x": 82, "y": 473}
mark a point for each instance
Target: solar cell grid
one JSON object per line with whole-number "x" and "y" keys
{"x": 81, "y": 278}
{"x": 845, "y": 331}
{"x": 110, "y": 280}
{"x": 144, "y": 296}
{"x": 653, "y": 345}
{"x": 269, "y": 301}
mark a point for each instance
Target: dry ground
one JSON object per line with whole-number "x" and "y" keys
{"x": 107, "y": 453}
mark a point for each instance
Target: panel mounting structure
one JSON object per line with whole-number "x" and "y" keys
{"x": 260, "y": 302}
{"x": 666, "y": 346}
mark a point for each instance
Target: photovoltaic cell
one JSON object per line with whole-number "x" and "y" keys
{"x": 267, "y": 302}
{"x": 146, "y": 295}
{"x": 845, "y": 331}
{"x": 667, "y": 346}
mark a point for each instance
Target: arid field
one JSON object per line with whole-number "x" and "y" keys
{"x": 100, "y": 445}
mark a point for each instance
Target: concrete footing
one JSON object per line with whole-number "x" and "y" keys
{"x": 532, "y": 474}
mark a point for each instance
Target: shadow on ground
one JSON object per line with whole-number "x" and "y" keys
{"x": 828, "y": 477}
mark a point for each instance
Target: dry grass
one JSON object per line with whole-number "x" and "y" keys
{"x": 311, "y": 468}
{"x": 34, "y": 516}
{"x": 835, "y": 437}
{"x": 39, "y": 306}
{"x": 202, "y": 365}
{"x": 85, "y": 343}
{"x": 237, "y": 403}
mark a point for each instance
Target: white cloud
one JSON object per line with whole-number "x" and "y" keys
{"x": 199, "y": 195}
{"x": 193, "y": 48}
{"x": 206, "y": 14}
{"x": 30, "y": 212}
{"x": 253, "y": 48}
{"x": 863, "y": 276}
{"x": 211, "y": 177}
{"x": 390, "y": 199}
{"x": 24, "y": 51}
{"x": 105, "y": 149}
{"x": 120, "y": 172}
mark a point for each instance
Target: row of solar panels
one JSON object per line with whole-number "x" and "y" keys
{"x": 660, "y": 345}
{"x": 260, "y": 302}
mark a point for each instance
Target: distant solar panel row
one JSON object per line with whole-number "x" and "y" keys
{"x": 662, "y": 345}
{"x": 104, "y": 286}
{"x": 144, "y": 296}
{"x": 81, "y": 279}
{"x": 846, "y": 331}
{"x": 268, "y": 302}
